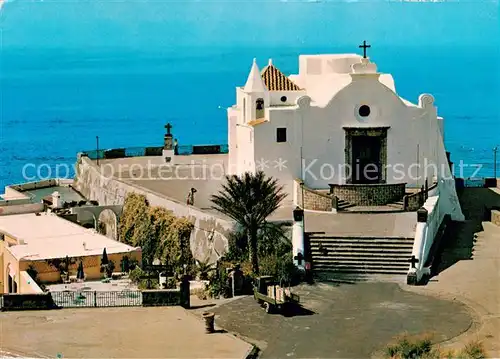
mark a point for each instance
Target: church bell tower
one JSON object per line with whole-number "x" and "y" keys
{"x": 256, "y": 95}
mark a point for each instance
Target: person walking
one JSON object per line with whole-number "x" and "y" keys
{"x": 190, "y": 197}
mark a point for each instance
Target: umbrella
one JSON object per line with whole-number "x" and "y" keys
{"x": 80, "y": 275}
{"x": 104, "y": 259}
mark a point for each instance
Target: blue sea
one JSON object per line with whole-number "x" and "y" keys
{"x": 74, "y": 70}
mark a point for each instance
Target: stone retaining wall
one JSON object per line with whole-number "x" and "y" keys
{"x": 209, "y": 237}
{"x": 369, "y": 194}
{"x": 316, "y": 200}
{"x": 495, "y": 217}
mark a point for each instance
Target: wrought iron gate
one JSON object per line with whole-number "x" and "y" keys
{"x": 92, "y": 299}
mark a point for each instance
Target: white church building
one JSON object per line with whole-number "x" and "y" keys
{"x": 338, "y": 125}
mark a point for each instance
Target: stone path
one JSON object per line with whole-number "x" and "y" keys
{"x": 164, "y": 332}
{"x": 469, "y": 271}
{"x": 345, "y": 321}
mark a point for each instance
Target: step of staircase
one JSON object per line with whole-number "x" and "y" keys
{"x": 338, "y": 255}
{"x": 353, "y": 278}
{"x": 373, "y": 209}
{"x": 398, "y": 204}
{"x": 325, "y": 238}
{"x": 361, "y": 259}
{"x": 342, "y": 270}
{"x": 343, "y": 205}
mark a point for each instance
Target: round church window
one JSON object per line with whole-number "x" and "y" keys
{"x": 364, "y": 111}
{"x": 283, "y": 98}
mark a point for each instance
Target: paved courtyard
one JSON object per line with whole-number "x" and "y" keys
{"x": 206, "y": 174}
{"x": 163, "y": 332}
{"x": 345, "y": 321}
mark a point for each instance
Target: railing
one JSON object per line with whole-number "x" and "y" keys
{"x": 412, "y": 202}
{"x": 429, "y": 224}
{"x": 86, "y": 299}
{"x": 477, "y": 182}
{"x": 125, "y": 152}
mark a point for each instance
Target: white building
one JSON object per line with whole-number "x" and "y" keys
{"x": 337, "y": 122}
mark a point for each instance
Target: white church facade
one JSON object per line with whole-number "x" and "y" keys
{"x": 338, "y": 122}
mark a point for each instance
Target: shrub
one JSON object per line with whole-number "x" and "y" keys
{"x": 204, "y": 268}
{"x": 159, "y": 233}
{"x": 420, "y": 347}
{"x": 473, "y": 350}
{"x": 281, "y": 268}
{"x": 148, "y": 284}
{"x": 171, "y": 283}
{"x": 136, "y": 274}
{"x": 201, "y": 293}
{"x": 110, "y": 267}
{"x": 219, "y": 283}
{"x": 407, "y": 347}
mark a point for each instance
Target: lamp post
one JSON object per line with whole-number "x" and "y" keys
{"x": 298, "y": 214}
{"x": 495, "y": 150}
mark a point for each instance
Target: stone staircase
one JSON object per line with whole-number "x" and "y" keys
{"x": 343, "y": 205}
{"x": 347, "y": 207}
{"x": 398, "y": 205}
{"x": 338, "y": 256}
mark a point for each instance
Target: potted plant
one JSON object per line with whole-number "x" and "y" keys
{"x": 209, "y": 318}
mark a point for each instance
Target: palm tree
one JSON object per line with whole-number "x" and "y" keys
{"x": 249, "y": 200}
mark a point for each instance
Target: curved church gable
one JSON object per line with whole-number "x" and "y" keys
{"x": 368, "y": 100}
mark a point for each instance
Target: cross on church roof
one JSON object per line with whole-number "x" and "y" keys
{"x": 168, "y": 126}
{"x": 364, "y": 47}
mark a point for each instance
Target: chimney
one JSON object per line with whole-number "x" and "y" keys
{"x": 57, "y": 202}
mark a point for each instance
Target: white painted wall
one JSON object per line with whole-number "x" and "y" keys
{"x": 245, "y": 159}
{"x": 291, "y": 98}
{"x": 425, "y": 233}
{"x": 286, "y": 153}
{"x": 315, "y": 128}
{"x": 232, "y": 114}
{"x": 21, "y": 208}
{"x": 324, "y": 134}
{"x": 412, "y": 134}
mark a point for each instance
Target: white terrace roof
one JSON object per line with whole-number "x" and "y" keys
{"x": 49, "y": 236}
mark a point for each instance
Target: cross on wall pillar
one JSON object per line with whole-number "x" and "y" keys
{"x": 413, "y": 260}
{"x": 298, "y": 237}
{"x": 169, "y": 149}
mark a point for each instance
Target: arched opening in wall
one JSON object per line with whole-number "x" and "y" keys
{"x": 10, "y": 275}
{"x": 88, "y": 220}
{"x": 259, "y": 108}
{"x": 8, "y": 278}
{"x": 108, "y": 224}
